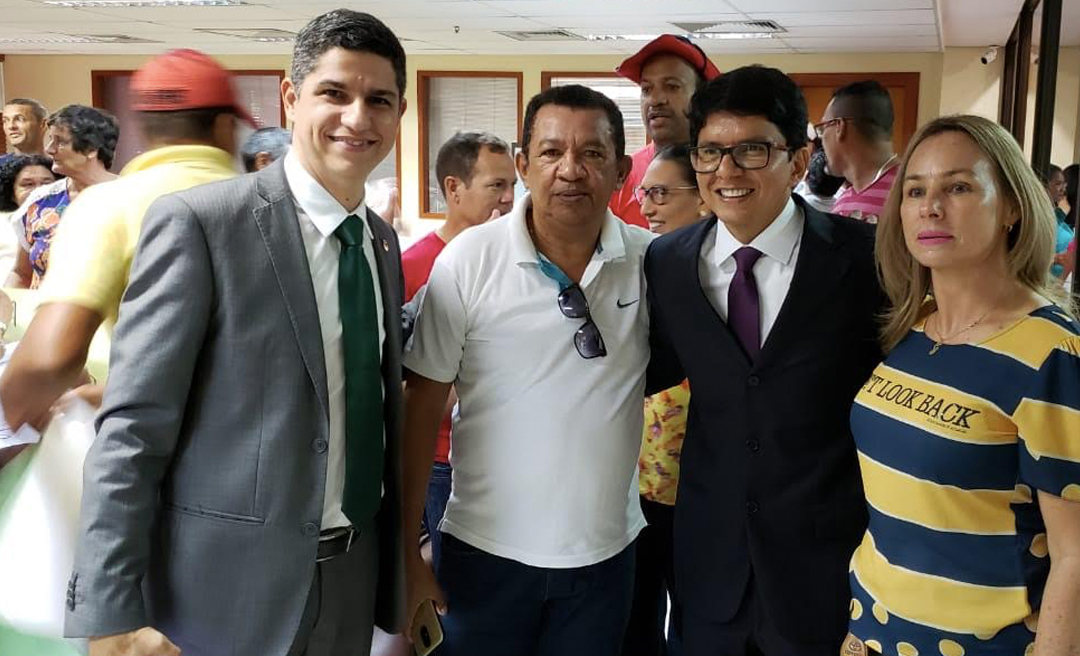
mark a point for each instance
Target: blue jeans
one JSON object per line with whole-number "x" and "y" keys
{"x": 500, "y": 607}
{"x": 438, "y": 493}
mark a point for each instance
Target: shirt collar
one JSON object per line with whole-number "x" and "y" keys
{"x": 182, "y": 153}
{"x": 320, "y": 207}
{"x": 777, "y": 241}
{"x": 612, "y": 245}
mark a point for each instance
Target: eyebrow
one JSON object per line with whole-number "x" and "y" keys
{"x": 950, "y": 172}
{"x": 334, "y": 84}
{"x": 754, "y": 139}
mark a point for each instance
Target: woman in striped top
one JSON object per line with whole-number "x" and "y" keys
{"x": 968, "y": 433}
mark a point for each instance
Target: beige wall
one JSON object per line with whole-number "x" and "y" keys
{"x": 60, "y": 80}
{"x": 967, "y": 85}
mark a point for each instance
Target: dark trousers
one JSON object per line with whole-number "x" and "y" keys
{"x": 339, "y": 615}
{"x": 438, "y": 493}
{"x": 500, "y": 607}
{"x": 654, "y": 580}
{"x": 750, "y": 633}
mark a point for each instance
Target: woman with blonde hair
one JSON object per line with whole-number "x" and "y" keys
{"x": 968, "y": 433}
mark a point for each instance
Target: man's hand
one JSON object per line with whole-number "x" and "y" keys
{"x": 142, "y": 642}
{"x": 420, "y": 586}
{"x": 90, "y": 393}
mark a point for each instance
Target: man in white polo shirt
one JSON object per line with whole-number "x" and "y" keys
{"x": 539, "y": 320}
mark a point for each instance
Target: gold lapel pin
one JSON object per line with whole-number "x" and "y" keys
{"x": 386, "y": 246}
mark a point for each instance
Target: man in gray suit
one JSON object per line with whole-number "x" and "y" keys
{"x": 242, "y": 495}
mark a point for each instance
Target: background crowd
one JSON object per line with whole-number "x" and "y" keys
{"x": 860, "y": 370}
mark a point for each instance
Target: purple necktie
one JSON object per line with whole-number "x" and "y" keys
{"x": 744, "y": 313}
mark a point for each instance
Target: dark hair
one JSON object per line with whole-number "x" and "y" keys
{"x": 680, "y": 154}
{"x": 818, "y": 179}
{"x": 576, "y": 96}
{"x": 9, "y": 172}
{"x": 753, "y": 91}
{"x": 351, "y": 30}
{"x": 870, "y": 107}
{"x": 182, "y": 124}
{"x": 1072, "y": 193}
{"x": 274, "y": 141}
{"x": 458, "y": 155}
{"x": 36, "y": 108}
{"x": 91, "y": 129}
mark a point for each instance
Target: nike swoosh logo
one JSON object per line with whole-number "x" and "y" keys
{"x": 626, "y": 305}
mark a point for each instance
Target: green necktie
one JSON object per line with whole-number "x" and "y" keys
{"x": 363, "y": 377}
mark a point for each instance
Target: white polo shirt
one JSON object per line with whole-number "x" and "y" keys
{"x": 546, "y": 442}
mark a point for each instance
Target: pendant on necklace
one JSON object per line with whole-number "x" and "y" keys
{"x": 935, "y": 348}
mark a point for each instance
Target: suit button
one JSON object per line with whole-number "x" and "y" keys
{"x": 310, "y": 529}
{"x": 753, "y": 445}
{"x": 753, "y": 381}
{"x": 319, "y": 446}
{"x": 751, "y": 507}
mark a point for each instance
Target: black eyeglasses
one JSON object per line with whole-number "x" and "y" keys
{"x": 749, "y": 155}
{"x": 588, "y": 340}
{"x": 658, "y": 194}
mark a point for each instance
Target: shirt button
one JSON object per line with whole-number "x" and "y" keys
{"x": 319, "y": 446}
{"x": 753, "y": 381}
{"x": 751, "y": 507}
{"x": 310, "y": 529}
{"x": 753, "y": 445}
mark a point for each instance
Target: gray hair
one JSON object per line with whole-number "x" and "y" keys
{"x": 274, "y": 141}
{"x": 36, "y": 108}
{"x": 351, "y": 30}
{"x": 458, "y": 155}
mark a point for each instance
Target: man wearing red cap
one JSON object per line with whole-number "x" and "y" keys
{"x": 669, "y": 70}
{"x": 187, "y": 111}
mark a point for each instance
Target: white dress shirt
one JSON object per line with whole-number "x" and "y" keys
{"x": 320, "y": 215}
{"x": 774, "y": 270}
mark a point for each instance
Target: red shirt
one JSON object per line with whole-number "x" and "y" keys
{"x": 623, "y": 204}
{"x": 416, "y": 263}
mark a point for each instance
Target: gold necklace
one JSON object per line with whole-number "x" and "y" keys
{"x": 940, "y": 341}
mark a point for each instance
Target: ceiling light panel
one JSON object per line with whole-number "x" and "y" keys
{"x": 99, "y": 4}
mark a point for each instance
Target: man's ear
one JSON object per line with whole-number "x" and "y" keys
{"x": 521, "y": 163}
{"x": 800, "y": 162}
{"x": 289, "y": 95}
{"x": 262, "y": 160}
{"x": 452, "y": 185}
{"x": 626, "y": 164}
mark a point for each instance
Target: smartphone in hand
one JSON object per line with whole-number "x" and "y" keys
{"x": 426, "y": 631}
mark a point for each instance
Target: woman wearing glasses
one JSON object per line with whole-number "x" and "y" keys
{"x": 81, "y": 142}
{"x": 968, "y": 434}
{"x": 669, "y": 200}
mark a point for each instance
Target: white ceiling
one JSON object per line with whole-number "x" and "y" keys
{"x": 469, "y": 26}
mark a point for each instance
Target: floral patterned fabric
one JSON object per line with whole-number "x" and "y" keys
{"x": 661, "y": 444}
{"x": 38, "y": 218}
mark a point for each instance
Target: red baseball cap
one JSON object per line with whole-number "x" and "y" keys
{"x": 184, "y": 79}
{"x": 668, "y": 44}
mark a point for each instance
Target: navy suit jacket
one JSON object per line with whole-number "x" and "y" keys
{"x": 769, "y": 487}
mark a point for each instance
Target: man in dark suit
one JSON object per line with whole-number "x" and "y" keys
{"x": 769, "y": 308}
{"x": 242, "y": 495}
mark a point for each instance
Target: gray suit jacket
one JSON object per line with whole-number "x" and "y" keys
{"x": 203, "y": 492}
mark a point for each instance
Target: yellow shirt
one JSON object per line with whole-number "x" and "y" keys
{"x": 665, "y": 427}
{"x": 92, "y": 251}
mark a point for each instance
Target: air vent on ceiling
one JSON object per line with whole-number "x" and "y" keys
{"x": 75, "y": 38}
{"x": 260, "y": 34}
{"x": 732, "y": 27}
{"x": 541, "y": 35}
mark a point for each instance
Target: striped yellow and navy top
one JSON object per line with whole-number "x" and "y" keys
{"x": 953, "y": 447}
